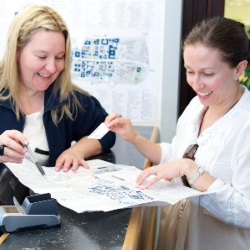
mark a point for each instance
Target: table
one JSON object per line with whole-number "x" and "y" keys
{"x": 119, "y": 229}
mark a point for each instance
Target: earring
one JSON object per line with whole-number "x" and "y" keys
{"x": 236, "y": 79}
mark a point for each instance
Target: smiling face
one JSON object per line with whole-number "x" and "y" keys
{"x": 213, "y": 80}
{"x": 41, "y": 60}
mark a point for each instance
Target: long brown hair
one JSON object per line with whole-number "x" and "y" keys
{"x": 224, "y": 34}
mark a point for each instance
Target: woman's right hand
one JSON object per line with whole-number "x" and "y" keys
{"x": 121, "y": 125}
{"x": 13, "y": 150}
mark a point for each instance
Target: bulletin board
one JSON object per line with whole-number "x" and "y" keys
{"x": 119, "y": 53}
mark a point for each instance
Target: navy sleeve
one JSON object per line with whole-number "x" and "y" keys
{"x": 89, "y": 119}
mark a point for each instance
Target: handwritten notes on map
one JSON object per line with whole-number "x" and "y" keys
{"x": 103, "y": 187}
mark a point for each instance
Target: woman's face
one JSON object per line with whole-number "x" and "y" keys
{"x": 41, "y": 60}
{"x": 212, "y": 80}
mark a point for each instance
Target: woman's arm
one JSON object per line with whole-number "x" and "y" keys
{"x": 86, "y": 122}
{"x": 122, "y": 125}
{"x": 75, "y": 156}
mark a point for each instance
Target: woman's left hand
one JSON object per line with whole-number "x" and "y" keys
{"x": 167, "y": 171}
{"x": 74, "y": 156}
{"x": 70, "y": 159}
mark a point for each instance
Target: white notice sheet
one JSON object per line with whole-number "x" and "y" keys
{"x": 103, "y": 187}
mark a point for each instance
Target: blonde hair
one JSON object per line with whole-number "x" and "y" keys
{"x": 24, "y": 24}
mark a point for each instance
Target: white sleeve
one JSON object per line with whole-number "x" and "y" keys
{"x": 232, "y": 202}
{"x": 165, "y": 151}
{"x": 228, "y": 205}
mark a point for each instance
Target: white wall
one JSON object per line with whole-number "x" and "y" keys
{"x": 165, "y": 42}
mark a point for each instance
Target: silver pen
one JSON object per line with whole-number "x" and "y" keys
{"x": 38, "y": 165}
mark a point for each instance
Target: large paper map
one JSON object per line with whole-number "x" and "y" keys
{"x": 103, "y": 187}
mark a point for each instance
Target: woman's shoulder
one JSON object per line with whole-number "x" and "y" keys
{"x": 80, "y": 92}
{"x": 85, "y": 98}
{"x": 244, "y": 103}
{"x": 82, "y": 95}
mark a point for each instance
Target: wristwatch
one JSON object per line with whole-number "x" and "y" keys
{"x": 2, "y": 150}
{"x": 196, "y": 175}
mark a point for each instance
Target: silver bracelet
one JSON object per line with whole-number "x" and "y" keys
{"x": 196, "y": 175}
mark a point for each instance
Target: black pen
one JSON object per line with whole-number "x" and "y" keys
{"x": 38, "y": 165}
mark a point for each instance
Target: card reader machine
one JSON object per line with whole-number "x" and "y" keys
{"x": 36, "y": 211}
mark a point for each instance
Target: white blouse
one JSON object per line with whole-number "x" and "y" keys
{"x": 224, "y": 152}
{"x": 35, "y": 132}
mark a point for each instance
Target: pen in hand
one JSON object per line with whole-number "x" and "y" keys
{"x": 38, "y": 165}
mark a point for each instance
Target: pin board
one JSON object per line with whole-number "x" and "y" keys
{"x": 124, "y": 52}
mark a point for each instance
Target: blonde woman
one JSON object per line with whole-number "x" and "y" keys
{"x": 39, "y": 104}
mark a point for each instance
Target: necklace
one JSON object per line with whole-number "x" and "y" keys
{"x": 205, "y": 113}
{"x": 199, "y": 131}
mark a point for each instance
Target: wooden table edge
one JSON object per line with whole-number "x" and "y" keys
{"x": 3, "y": 237}
{"x": 133, "y": 234}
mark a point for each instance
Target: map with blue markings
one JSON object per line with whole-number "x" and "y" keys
{"x": 110, "y": 60}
